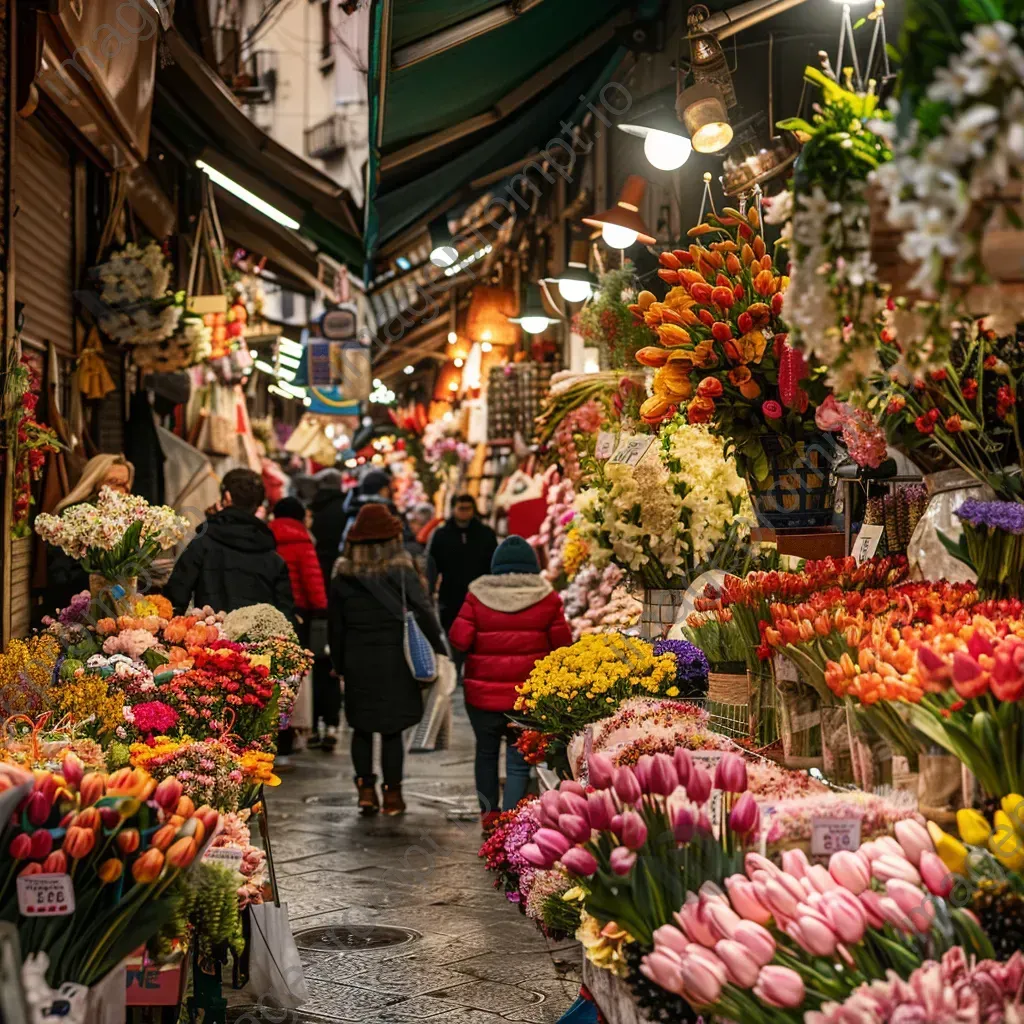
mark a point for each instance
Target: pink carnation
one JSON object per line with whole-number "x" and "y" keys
{"x": 155, "y": 717}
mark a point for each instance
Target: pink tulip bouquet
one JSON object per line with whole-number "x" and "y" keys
{"x": 777, "y": 943}
{"x": 646, "y": 835}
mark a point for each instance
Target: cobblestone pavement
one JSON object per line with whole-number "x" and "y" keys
{"x": 469, "y": 958}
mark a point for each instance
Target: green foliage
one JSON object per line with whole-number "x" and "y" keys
{"x": 607, "y": 322}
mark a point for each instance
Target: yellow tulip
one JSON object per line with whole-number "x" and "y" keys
{"x": 974, "y": 827}
{"x": 1013, "y": 806}
{"x": 1006, "y": 844}
{"x": 952, "y": 852}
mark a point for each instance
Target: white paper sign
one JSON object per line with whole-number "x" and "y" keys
{"x": 229, "y": 856}
{"x": 46, "y": 895}
{"x": 632, "y": 448}
{"x": 866, "y": 544}
{"x": 830, "y": 835}
{"x": 605, "y": 445}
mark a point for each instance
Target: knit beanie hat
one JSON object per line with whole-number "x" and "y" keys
{"x": 514, "y": 555}
{"x": 374, "y": 524}
{"x": 374, "y": 481}
{"x": 290, "y": 508}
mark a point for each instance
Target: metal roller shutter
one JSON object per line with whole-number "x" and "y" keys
{"x": 44, "y": 250}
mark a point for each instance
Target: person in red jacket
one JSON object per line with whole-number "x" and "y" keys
{"x": 508, "y": 622}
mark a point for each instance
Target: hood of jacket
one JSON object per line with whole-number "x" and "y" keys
{"x": 288, "y": 531}
{"x": 511, "y": 592}
{"x": 241, "y": 531}
{"x": 326, "y": 497}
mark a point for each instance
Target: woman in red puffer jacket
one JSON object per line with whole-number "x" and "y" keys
{"x": 509, "y": 621}
{"x": 295, "y": 546}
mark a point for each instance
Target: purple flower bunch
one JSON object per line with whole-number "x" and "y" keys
{"x": 77, "y": 611}
{"x": 691, "y": 666}
{"x": 1002, "y": 515}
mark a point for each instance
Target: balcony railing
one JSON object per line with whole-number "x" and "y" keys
{"x": 327, "y": 138}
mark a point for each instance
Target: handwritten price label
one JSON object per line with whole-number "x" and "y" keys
{"x": 632, "y": 448}
{"x": 229, "y": 856}
{"x": 866, "y": 544}
{"x": 605, "y": 445}
{"x": 830, "y": 835}
{"x": 46, "y": 895}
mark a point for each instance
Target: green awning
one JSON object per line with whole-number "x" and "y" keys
{"x": 460, "y": 88}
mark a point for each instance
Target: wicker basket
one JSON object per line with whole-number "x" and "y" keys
{"x": 728, "y": 703}
{"x": 799, "y": 491}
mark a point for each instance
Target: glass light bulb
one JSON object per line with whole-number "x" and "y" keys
{"x": 452, "y": 337}
{"x": 443, "y": 256}
{"x": 409, "y": 369}
{"x": 665, "y": 150}
{"x": 486, "y": 346}
{"x": 618, "y": 237}
{"x": 574, "y": 291}
{"x": 534, "y": 324}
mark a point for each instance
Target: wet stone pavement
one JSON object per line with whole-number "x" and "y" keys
{"x": 452, "y": 949}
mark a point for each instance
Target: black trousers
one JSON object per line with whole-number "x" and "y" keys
{"x": 326, "y": 693}
{"x": 392, "y": 754}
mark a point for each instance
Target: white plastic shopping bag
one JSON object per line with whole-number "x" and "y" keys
{"x": 275, "y": 970}
{"x": 437, "y": 709}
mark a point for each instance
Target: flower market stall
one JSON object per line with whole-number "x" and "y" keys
{"x": 136, "y": 748}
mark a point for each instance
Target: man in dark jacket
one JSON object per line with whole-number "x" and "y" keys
{"x": 329, "y": 518}
{"x": 234, "y": 561}
{"x": 458, "y": 552}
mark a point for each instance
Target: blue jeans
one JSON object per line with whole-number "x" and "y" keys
{"x": 489, "y": 727}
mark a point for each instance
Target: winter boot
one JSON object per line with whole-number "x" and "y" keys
{"x": 393, "y": 802}
{"x": 368, "y": 801}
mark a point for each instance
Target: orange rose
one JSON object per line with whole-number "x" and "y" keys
{"x": 710, "y": 387}
{"x": 700, "y": 410}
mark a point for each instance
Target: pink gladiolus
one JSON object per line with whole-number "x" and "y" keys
{"x": 846, "y": 915}
{"x": 913, "y": 902}
{"x": 682, "y": 825}
{"x": 642, "y": 771}
{"x": 755, "y": 862}
{"x": 757, "y": 939}
{"x": 663, "y": 971}
{"x": 689, "y": 918}
{"x": 740, "y": 966}
{"x": 575, "y": 827}
{"x": 914, "y": 839}
{"x": 622, "y": 860}
{"x": 887, "y": 867}
{"x": 533, "y": 854}
{"x": 627, "y": 788}
{"x": 663, "y": 778}
{"x": 816, "y": 938}
{"x": 936, "y": 876}
{"x": 634, "y": 831}
{"x": 870, "y": 900}
{"x": 891, "y": 913}
{"x": 698, "y": 788}
{"x": 600, "y": 810}
{"x": 721, "y": 918}
{"x": 701, "y": 983}
{"x": 553, "y": 844}
{"x": 744, "y": 817}
{"x": 731, "y": 774}
{"x": 744, "y": 899}
{"x": 780, "y": 987}
{"x": 795, "y": 863}
{"x": 601, "y": 770}
{"x": 683, "y": 763}
{"x": 578, "y": 861}
{"x": 849, "y": 871}
{"x": 573, "y": 803}
{"x": 818, "y": 879}
{"x": 668, "y": 936}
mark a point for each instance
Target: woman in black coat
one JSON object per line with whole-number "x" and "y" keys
{"x": 368, "y": 650}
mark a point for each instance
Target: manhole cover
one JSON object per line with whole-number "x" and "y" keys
{"x": 269, "y": 1015}
{"x": 346, "y": 937}
{"x": 333, "y": 799}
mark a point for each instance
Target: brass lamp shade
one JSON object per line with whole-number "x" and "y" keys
{"x": 702, "y": 109}
{"x": 624, "y": 213}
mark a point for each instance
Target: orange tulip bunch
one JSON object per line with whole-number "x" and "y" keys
{"x": 121, "y": 838}
{"x": 722, "y": 353}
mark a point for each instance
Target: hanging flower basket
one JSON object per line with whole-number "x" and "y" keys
{"x": 799, "y": 490}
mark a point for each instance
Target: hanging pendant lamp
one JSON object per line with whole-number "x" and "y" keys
{"x": 534, "y": 317}
{"x": 622, "y": 226}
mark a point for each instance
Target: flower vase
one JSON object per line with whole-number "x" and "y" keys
{"x": 928, "y": 557}
{"x": 998, "y": 558}
{"x": 661, "y": 607}
{"x": 799, "y": 490}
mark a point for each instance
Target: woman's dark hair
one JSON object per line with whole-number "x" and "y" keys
{"x": 290, "y": 508}
{"x": 245, "y": 488}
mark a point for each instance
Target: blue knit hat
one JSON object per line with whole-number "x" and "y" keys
{"x": 514, "y": 555}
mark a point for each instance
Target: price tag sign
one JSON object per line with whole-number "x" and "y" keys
{"x": 632, "y": 448}
{"x": 866, "y": 544}
{"x": 46, "y": 895}
{"x": 707, "y": 759}
{"x": 229, "y": 856}
{"x": 830, "y": 835}
{"x": 605, "y": 445}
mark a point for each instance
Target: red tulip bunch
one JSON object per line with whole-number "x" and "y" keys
{"x": 642, "y": 836}
{"x": 778, "y": 942}
{"x": 121, "y": 838}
